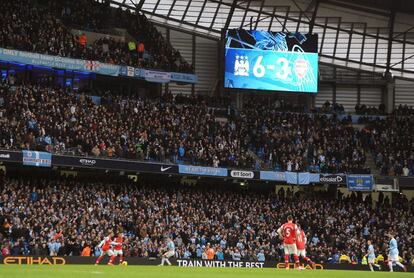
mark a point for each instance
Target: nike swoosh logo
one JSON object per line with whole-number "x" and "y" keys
{"x": 165, "y": 169}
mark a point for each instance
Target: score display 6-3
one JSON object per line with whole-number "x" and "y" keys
{"x": 271, "y": 70}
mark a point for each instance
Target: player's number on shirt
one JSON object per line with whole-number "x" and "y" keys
{"x": 300, "y": 238}
{"x": 287, "y": 232}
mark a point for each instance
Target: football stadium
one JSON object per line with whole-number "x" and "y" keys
{"x": 206, "y": 138}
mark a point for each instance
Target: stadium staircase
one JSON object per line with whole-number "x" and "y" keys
{"x": 369, "y": 157}
{"x": 370, "y": 162}
{"x": 255, "y": 157}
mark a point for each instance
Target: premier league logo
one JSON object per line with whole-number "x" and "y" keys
{"x": 301, "y": 67}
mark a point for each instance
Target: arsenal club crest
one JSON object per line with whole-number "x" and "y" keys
{"x": 301, "y": 67}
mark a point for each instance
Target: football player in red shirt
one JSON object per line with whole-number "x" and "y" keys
{"x": 301, "y": 246}
{"x": 118, "y": 247}
{"x": 288, "y": 233}
{"x": 106, "y": 247}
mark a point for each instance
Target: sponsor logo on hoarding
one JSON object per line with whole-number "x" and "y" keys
{"x": 242, "y": 174}
{"x": 292, "y": 265}
{"x": 208, "y": 263}
{"x": 332, "y": 179}
{"x": 4, "y": 155}
{"x": 34, "y": 260}
{"x": 38, "y": 159}
{"x": 87, "y": 162}
{"x": 199, "y": 170}
{"x": 163, "y": 169}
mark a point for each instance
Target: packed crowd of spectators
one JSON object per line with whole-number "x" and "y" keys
{"x": 133, "y": 128}
{"x": 46, "y": 217}
{"x": 392, "y": 143}
{"x": 328, "y": 107}
{"x": 172, "y": 129}
{"x": 404, "y": 110}
{"x": 302, "y": 141}
{"x": 362, "y": 109}
{"x": 39, "y": 28}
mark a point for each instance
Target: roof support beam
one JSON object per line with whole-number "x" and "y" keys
{"x": 342, "y": 4}
{"x": 201, "y": 12}
{"x": 230, "y": 15}
{"x": 140, "y": 4}
{"x": 315, "y": 12}
{"x": 301, "y": 11}
{"x": 403, "y": 33}
{"x": 286, "y": 19}
{"x": 172, "y": 7}
{"x": 260, "y": 14}
{"x": 391, "y": 22}
{"x": 350, "y": 41}
{"x": 186, "y": 10}
{"x": 245, "y": 13}
{"x": 156, "y": 6}
{"x": 271, "y": 19}
{"x": 215, "y": 16}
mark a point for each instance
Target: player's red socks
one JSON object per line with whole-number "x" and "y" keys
{"x": 296, "y": 258}
{"x": 121, "y": 258}
{"x": 111, "y": 260}
{"x": 312, "y": 264}
{"x": 287, "y": 261}
{"x": 98, "y": 260}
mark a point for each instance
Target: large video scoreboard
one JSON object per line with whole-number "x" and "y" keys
{"x": 273, "y": 61}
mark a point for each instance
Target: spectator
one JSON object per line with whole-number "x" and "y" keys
{"x": 219, "y": 254}
{"x": 236, "y": 256}
{"x": 82, "y": 40}
{"x": 141, "y": 49}
{"x": 86, "y": 251}
{"x": 210, "y": 252}
{"x": 261, "y": 256}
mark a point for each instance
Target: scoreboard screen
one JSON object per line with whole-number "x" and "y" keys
{"x": 275, "y": 61}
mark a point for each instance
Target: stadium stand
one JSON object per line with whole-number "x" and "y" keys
{"x": 38, "y": 118}
{"x": 79, "y": 213}
{"x": 391, "y": 141}
{"x": 38, "y": 28}
{"x": 323, "y": 133}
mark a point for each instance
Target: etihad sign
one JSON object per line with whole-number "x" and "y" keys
{"x": 34, "y": 260}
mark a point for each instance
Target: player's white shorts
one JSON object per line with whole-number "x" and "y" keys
{"x": 302, "y": 253}
{"x": 169, "y": 254}
{"x": 118, "y": 253}
{"x": 290, "y": 249}
{"x": 371, "y": 260}
{"x": 393, "y": 257}
{"x": 108, "y": 252}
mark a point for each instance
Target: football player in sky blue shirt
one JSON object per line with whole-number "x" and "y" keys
{"x": 371, "y": 256}
{"x": 393, "y": 254}
{"x": 170, "y": 252}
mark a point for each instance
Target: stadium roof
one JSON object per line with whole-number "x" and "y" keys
{"x": 404, "y": 6}
{"x": 352, "y": 33}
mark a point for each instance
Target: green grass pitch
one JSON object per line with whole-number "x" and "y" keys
{"x": 86, "y": 271}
